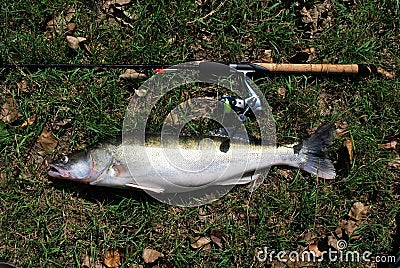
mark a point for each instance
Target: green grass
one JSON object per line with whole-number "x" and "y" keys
{"x": 50, "y": 223}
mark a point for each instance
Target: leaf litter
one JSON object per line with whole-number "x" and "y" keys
{"x": 393, "y": 145}
{"x": 74, "y": 42}
{"x": 348, "y": 144}
{"x": 118, "y": 11}
{"x": 343, "y": 232}
{"x": 151, "y": 255}
{"x": 9, "y": 112}
{"x": 112, "y": 259}
{"x": 317, "y": 17}
{"x": 62, "y": 22}
{"x": 132, "y": 75}
{"x": 46, "y": 142}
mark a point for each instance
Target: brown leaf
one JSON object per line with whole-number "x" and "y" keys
{"x": 141, "y": 92}
{"x": 314, "y": 248}
{"x": 46, "y": 141}
{"x": 341, "y": 128}
{"x": 282, "y": 92}
{"x": 349, "y": 227}
{"x": 22, "y": 85}
{"x": 390, "y": 145}
{"x": 339, "y": 229}
{"x": 9, "y": 112}
{"x": 267, "y": 57}
{"x": 73, "y": 42}
{"x": 317, "y": 17}
{"x": 59, "y": 23}
{"x": 216, "y": 232}
{"x": 349, "y": 145}
{"x": 29, "y": 122}
{"x": 358, "y": 211}
{"x": 395, "y": 163}
{"x": 70, "y": 14}
{"x": 308, "y": 238}
{"x": 332, "y": 242}
{"x": 389, "y": 75}
{"x": 112, "y": 259}
{"x": 71, "y": 26}
{"x": 216, "y": 240}
{"x": 3, "y": 178}
{"x": 132, "y": 74}
{"x": 122, "y": 2}
{"x": 199, "y": 242}
{"x": 151, "y": 255}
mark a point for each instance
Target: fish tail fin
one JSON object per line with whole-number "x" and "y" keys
{"x": 313, "y": 150}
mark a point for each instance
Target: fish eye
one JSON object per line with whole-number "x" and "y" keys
{"x": 64, "y": 159}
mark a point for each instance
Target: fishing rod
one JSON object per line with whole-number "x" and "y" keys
{"x": 241, "y": 106}
{"x": 274, "y": 68}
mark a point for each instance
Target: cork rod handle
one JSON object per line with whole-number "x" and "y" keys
{"x": 312, "y": 68}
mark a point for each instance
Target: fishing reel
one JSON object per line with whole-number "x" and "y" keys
{"x": 243, "y": 106}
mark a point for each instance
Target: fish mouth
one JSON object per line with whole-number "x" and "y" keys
{"x": 58, "y": 172}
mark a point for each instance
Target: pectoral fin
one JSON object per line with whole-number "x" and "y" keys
{"x": 152, "y": 189}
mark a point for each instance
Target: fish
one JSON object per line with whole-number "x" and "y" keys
{"x": 222, "y": 162}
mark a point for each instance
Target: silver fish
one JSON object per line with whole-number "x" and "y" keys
{"x": 108, "y": 165}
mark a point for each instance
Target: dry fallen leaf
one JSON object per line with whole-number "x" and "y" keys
{"x": 199, "y": 242}
{"x": 29, "y": 122}
{"x": 9, "y": 112}
{"x": 317, "y": 17}
{"x": 395, "y": 163}
{"x": 267, "y": 57}
{"x": 332, "y": 242}
{"x": 22, "y": 85}
{"x": 358, "y": 211}
{"x": 71, "y": 26}
{"x": 390, "y": 145}
{"x": 112, "y": 259}
{"x": 314, "y": 248}
{"x": 347, "y": 226}
{"x": 3, "y": 178}
{"x": 349, "y": 145}
{"x": 308, "y": 238}
{"x": 46, "y": 142}
{"x": 59, "y": 23}
{"x": 341, "y": 128}
{"x": 350, "y": 227}
{"x": 73, "y": 42}
{"x": 141, "y": 92}
{"x": 151, "y": 255}
{"x": 122, "y": 2}
{"x": 216, "y": 240}
{"x": 132, "y": 74}
{"x": 282, "y": 92}
{"x": 389, "y": 75}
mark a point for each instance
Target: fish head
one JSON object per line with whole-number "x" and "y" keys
{"x": 77, "y": 167}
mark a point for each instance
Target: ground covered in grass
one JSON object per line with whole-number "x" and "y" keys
{"x": 46, "y": 112}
